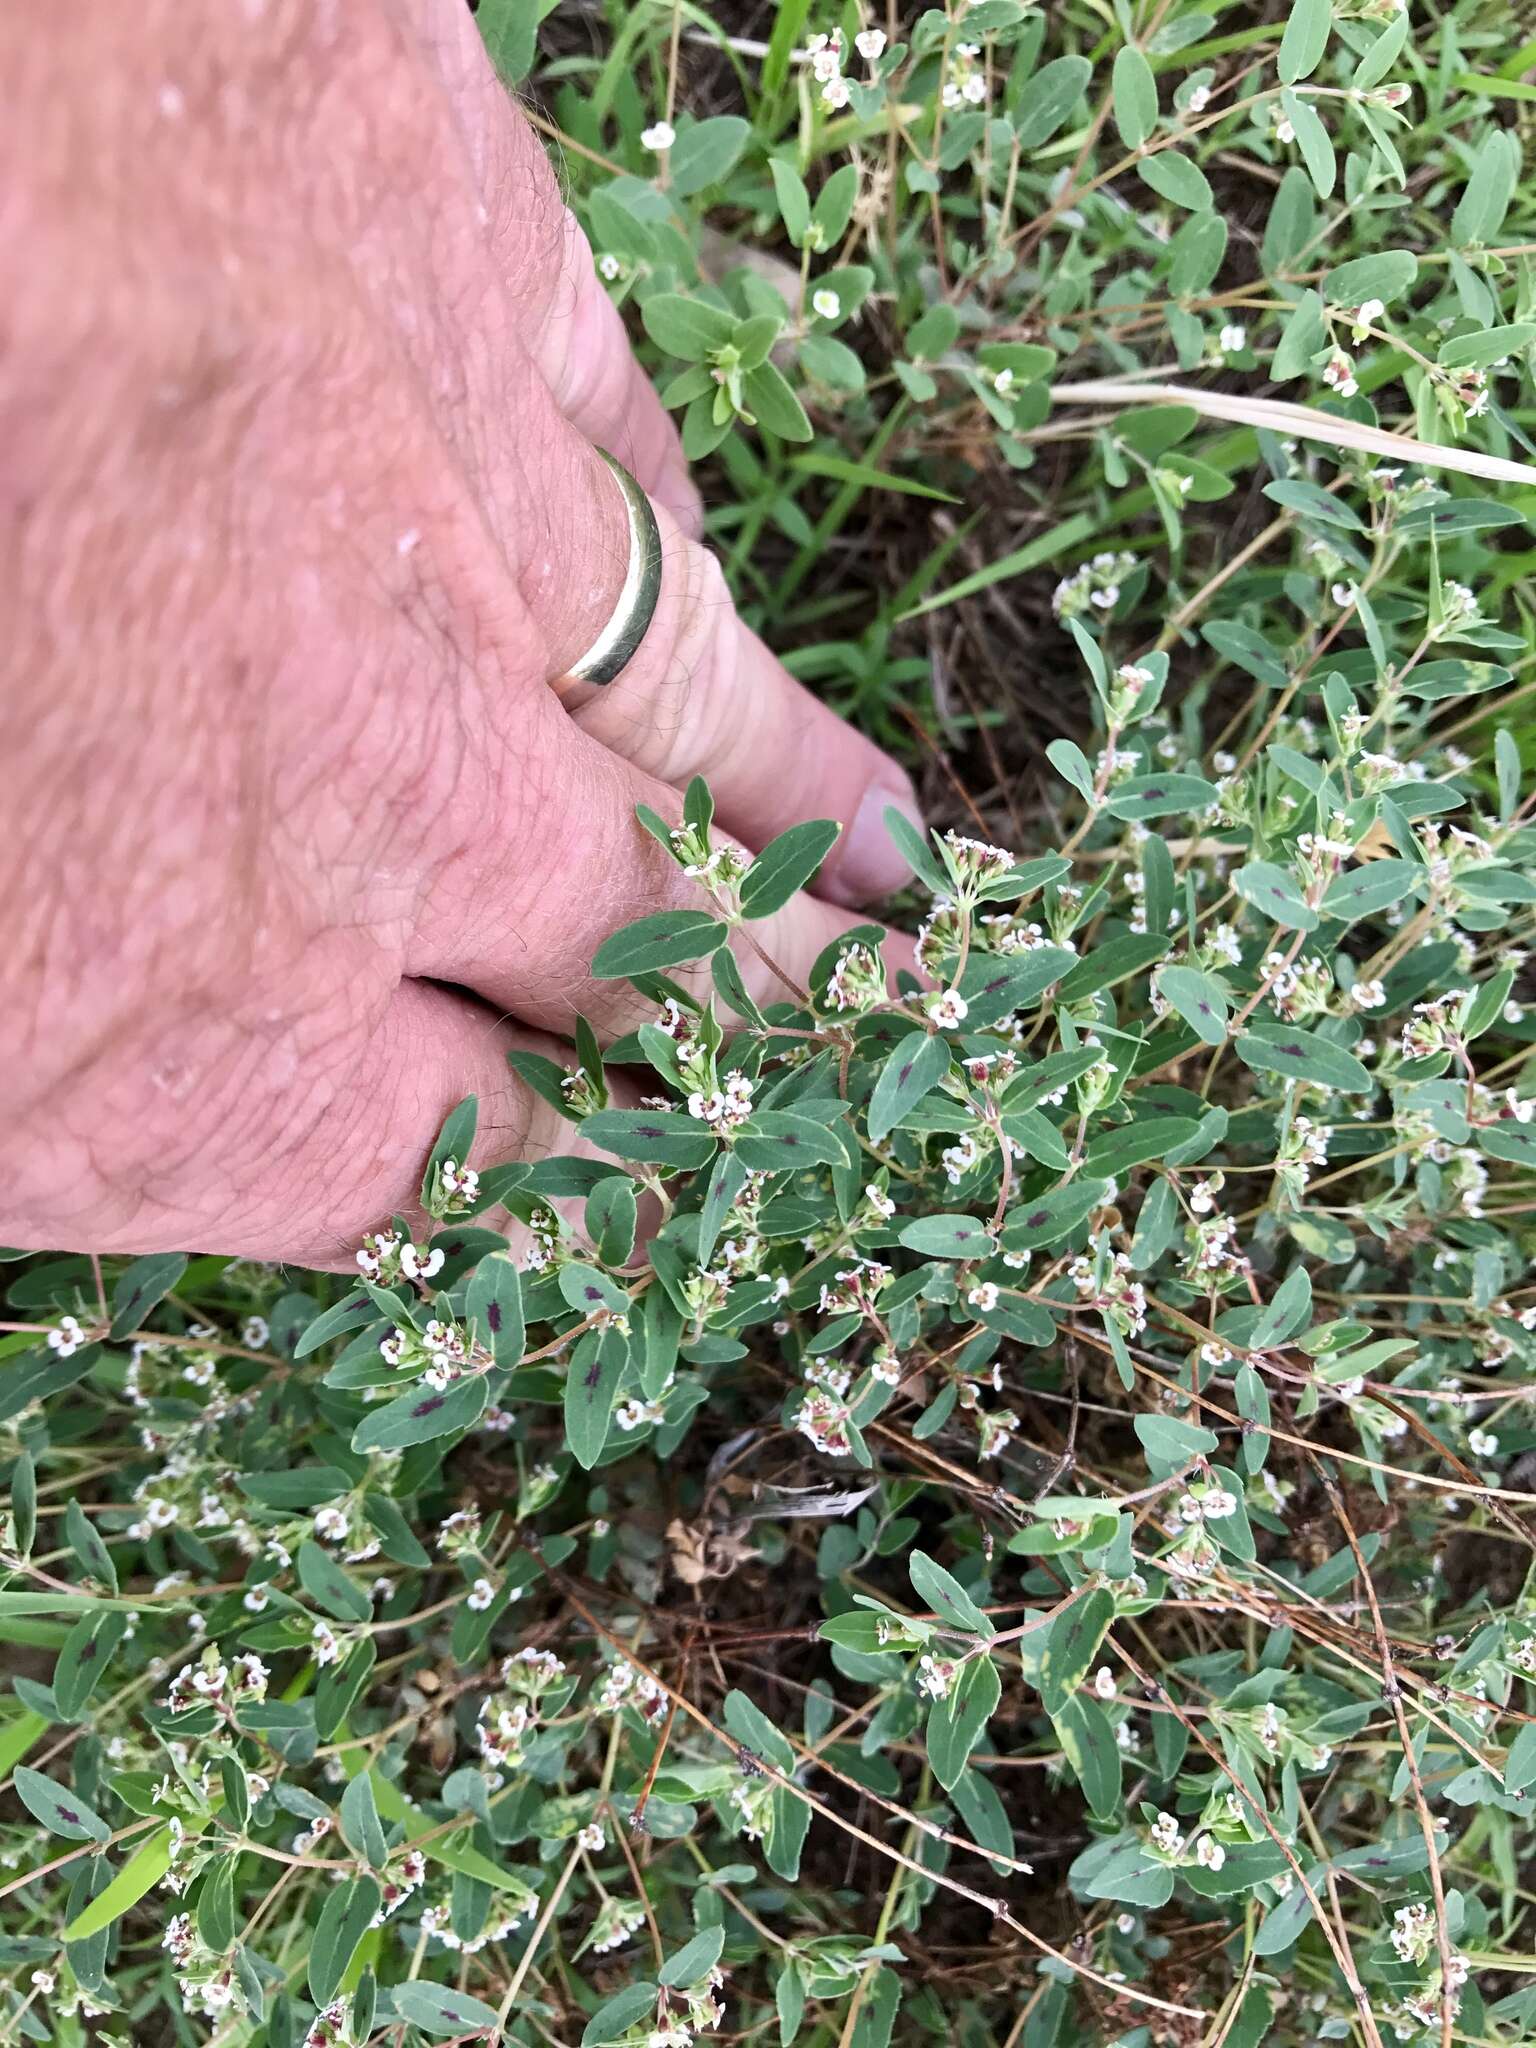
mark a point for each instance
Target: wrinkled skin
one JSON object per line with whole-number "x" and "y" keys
{"x": 302, "y": 365}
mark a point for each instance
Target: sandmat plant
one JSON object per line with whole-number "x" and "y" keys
{"x": 999, "y": 1511}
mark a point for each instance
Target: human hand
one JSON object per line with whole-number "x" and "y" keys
{"x": 301, "y": 529}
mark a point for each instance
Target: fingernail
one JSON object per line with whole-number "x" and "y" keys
{"x": 871, "y": 865}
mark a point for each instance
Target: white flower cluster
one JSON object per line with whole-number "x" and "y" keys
{"x": 509, "y": 1714}
{"x": 384, "y": 1257}
{"x": 826, "y": 56}
{"x": 1096, "y": 586}
{"x": 1116, "y": 1295}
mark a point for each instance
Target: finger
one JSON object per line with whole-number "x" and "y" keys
{"x": 308, "y": 1163}
{"x": 518, "y": 912}
{"x": 703, "y": 696}
{"x": 566, "y": 320}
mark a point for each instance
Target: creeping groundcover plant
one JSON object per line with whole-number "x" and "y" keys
{"x": 993, "y": 1507}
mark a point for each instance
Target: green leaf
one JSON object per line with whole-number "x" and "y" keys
{"x": 1085, "y": 1734}
{"x": 1047, "y": 1218}
{"x": 705, "y": 153}
{"x": 146, "y": 1282}
{"x": 1312, "y": 140}
{"x": 420, "y": 1416}
{"x": 1520, "y": 1761}
{"x": 360, "y": 1822}
{"x": 1286, "y": 1312}
{"x": 611, "y": 1219}
{"x": 665, "y": 940}
{"x": 60, "y": 1810}
{"x": 1114, "y": 960}
{"x": 494, "y": 1304}
{"x": 1072, "y": 1644}
{"x": 588, "y": 1291}
{"x": 331, "y": 1588}
{"x": 614, "y": 2018}
{"x": 985, "y": 1815}
{"x": 1195, "y": 255}
{"x": 917, "y": 1066}
{"x": 774, "y": 405}
{"x": 1170, "y": 1443}
{"x": 1176, "y": 178}
{"x": 1048, "y": 99}
{"x": 1113, "y": 1153}
{"x": 1491, "y": 345}
{"x": 1302, "y": 1056}
{"x": 1506, "y": 756}
{"x": 1199, "y": 1000}
{"x": 1135, "y": 96}
{"x": 1307, "y": 29}
{"x": 216, "y": 1905}
{"x": 440, "y": 2010}
{"x": 1480, "y": 211}
{"x": 83, "y": 1661}
{"x": 1381, "y": 56}
{"x": 694, "y": 1960}
{"x": 658, "y": 1137}
{"x": 1378, "y": 885}
{"x": 86, "y": 1541}
{"x": 781, "y": 1141}
{"x": 1510, "y": 1141}
{"x": 1315, "y": 503}
{"x": 751, "y": 1726}
{"x": 956, "y": 1723}
{"x": 1274, "y": 891}
{"x": 138, "y": 1876}
{"x": 1304, "y": 336}
{"x": 1158, "y": 796}
{"x": 834, "y": 204}
{"x": 1071, "y": 764}
{"x": 941, "y": 1591}
{"x": 794, "y": 200}
{"x": 344, "y": 1919}
{"x": 948, "y": 1237}
{"x": 24, "y": 1509}
{"x": 355, "y": 1313}
{"x": 591, "y": 1388}
{"x": 453, "y": 1142}
{"x": 786, "y": 864}
{"x": 1386, "y": 275}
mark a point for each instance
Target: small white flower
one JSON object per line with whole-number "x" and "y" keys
{"x": 609, "y": 266}
{"x": 592, "y": 1837}
{"x": 67, "y": 1339}
{"x": 417, "y": 1263}
{"x": 1482, "y": 1443}
{"x": 331, "y": 1524}
{"x": 870, "y": 44}
{"x": 983, "y": 1296}
{"x": 659, "y": 136}
{"x": 1167, "y": 1835}
{"x": 254, "y": 1333}
{"x": 947, "y": 1007}
{"x": 1210, "y": 1853}
{"x": 1199, "y": 99}
{"x": 834, "y": 93}
{"x": 825, "y": 304}
{"x": 480, "y": 1595}
{"x": 1104, "y": 1682}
